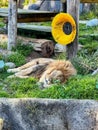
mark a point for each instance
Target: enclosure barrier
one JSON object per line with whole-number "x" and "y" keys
{"x": 48, "y": 114}
{"x": 72, "y": 9}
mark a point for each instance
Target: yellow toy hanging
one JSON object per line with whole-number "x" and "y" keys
{"x": 63, "y": 28}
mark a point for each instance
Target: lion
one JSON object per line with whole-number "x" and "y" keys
{"x": 46, "y": 70}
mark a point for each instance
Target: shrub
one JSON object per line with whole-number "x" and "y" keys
{"x": 17, "y": 58}
{"x": 1, "y": 23}
{"x": 23, "y": 49}
{"x": 84, "y": 63}
{"x": 3, "y": 45}
{"x": 89, "y": 15}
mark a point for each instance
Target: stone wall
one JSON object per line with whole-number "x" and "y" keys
{"x": 48, "y": 114}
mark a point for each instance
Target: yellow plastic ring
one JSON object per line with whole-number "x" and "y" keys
{"x": 63, "y": 28}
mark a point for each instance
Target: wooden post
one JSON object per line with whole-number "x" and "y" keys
{"x": 73, "y": 9}
{"x": 12, "y": 24}
{"x": 64, "y": 5}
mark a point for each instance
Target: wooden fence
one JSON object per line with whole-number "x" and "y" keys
{"x": 72, "y": 8}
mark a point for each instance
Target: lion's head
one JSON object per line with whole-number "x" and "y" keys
{"x": 58, "y": 70}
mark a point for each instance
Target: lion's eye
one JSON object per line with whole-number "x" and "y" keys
{"x": 47, "y": 81}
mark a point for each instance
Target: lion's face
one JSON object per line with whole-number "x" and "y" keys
{"x": 49, "y": 78}
{"x": 55, "y": 75}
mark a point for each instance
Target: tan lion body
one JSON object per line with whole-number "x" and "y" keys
{"x": 46, "y": 70}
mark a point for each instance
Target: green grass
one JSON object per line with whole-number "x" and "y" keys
{"x": 41, "y": 23}
{"x": 19, "y": 53}
{"x": 3, "y": 45}
{"x": 2, "y": 24}
{"x": 82, "y": 86}
{"x": 83, "y": 30}
{"x": 3, "y": 75}
{"x": 23, "y": 49}
{"x": 77, "y": 87}
{"x": 17, "y": 58}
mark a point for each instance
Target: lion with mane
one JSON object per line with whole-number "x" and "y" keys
{"x": 46, "y": 70}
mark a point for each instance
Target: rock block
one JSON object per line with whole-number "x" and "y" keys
{"x": 48, "y": 114}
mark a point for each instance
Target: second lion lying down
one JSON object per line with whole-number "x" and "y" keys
{"x": 46, "y": 70}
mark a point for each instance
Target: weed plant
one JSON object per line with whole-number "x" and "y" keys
{"x": 16, "y": 58}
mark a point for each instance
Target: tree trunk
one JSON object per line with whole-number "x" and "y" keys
{"x": 73, "y": 9}
{"x": 45, "y": 47}
{"x": 12, "y": 23}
